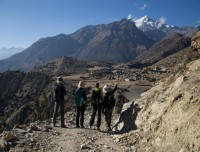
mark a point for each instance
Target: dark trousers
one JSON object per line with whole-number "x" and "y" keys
{"x": 108, "y": 116}
{"x": 80, "y": 110}
{"x": 95, "y": 109}
{"x": 59, "y": 105}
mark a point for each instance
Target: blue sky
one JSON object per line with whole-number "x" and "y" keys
{"x": 23, "y": 22}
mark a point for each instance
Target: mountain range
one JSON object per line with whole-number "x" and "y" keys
{"x": 158, "y": 29}
{"x": 8, "y": 52}
{"x": 117, "y": 42}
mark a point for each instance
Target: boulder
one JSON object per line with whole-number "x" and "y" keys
{"x": 9, "y": 136}
{"x": 196, "y": 41}
{"x": 126, "y": 120}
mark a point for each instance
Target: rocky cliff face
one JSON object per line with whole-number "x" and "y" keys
{"x": 170, "y": 112}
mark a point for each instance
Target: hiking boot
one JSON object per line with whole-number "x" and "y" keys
{"x": 109, "y": 129}
{"x": 77, "y": 126}
{"x": 82, "y": 126}
{"x": 63, "y": 126}
{"x": 98, "y": 128}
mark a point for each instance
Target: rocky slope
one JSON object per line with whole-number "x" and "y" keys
{"x": 160, "y": 50}
{"x": 166, "y": 116}
{"x": 192, "y": 32}
{"x": 178, "y": 60}
{"x": 63, "y": 66}
{"x": 18, "y": 91}
{"x": 196, "y": 41}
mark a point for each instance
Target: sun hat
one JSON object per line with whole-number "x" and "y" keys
{"x": 81, "y": 84}
{"x": 59, "y": 79}
{"x": 106, "y": 88}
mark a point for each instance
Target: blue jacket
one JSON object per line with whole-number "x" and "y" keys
{"x": 80, "y": 97}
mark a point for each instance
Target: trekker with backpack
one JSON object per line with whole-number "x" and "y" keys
{"x": 59, "y": 93}
{"x": 80, "y": 104}
{"x": 97, "y": 106}
{"x": 108, "y": 104}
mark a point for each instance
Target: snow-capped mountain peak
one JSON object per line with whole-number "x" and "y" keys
{"x": 146, "y": 19}
{"x": 158, "y": 29}
{"x": 145, "y": 23}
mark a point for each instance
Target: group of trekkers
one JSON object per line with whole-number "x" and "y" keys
{"x": 103, "y": 101}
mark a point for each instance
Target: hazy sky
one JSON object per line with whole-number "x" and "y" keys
{"x": 23, "y": 22}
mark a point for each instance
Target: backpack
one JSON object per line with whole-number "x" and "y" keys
{"x": 57, "y": 92}
{"x": 111, "y": 101}
{"x": 79, "y": 97}
{"x": 96, "y": 97}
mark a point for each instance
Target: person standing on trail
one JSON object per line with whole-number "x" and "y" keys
{"x": 80, "y": 104}
{"x": 59, "y": 93}
{"x": 108, "y": 104}
{"x": 97, "y": 106}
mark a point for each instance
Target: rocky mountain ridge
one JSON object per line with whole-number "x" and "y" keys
{"x": 166, "y": 47}
{"x": 40, "y": 52}
{"x": 63, "y": 66}
{"x": 120, "y": 41}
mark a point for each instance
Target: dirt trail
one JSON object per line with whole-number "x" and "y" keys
{"x": 42, "y": 137}
{"x": 81, "y": 139}
{"x": 73, "y": 139}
